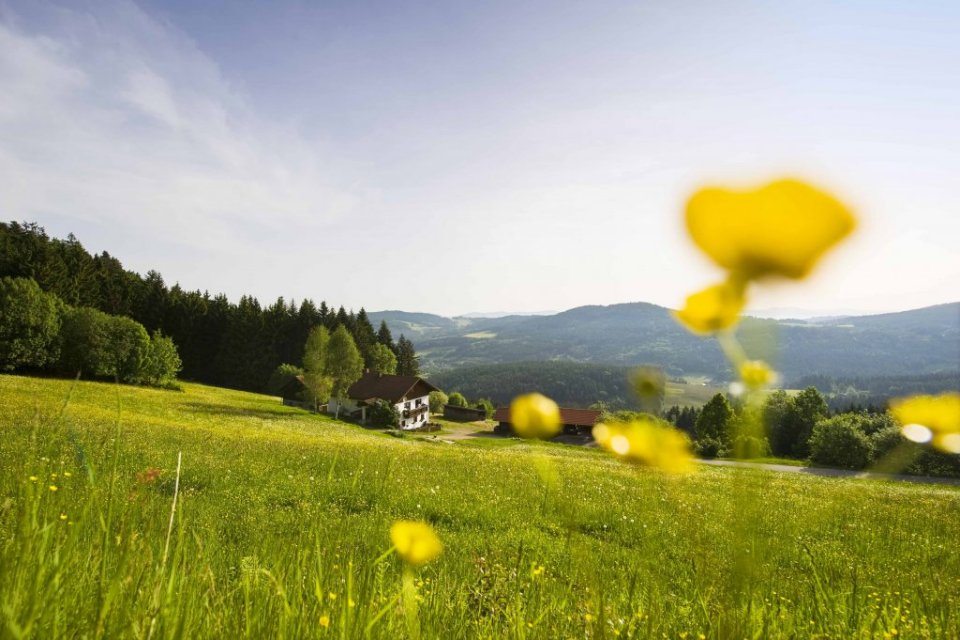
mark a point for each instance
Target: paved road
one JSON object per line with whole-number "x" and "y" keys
{"x": 782, "y": 468}
{"x": 831, "y": 473}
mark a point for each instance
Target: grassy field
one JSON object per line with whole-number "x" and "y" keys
{"x": 281, "y": 530}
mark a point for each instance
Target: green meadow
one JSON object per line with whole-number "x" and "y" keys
{"x": 282, "y": 519}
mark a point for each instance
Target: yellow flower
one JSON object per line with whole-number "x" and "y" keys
{"x": 53, "y": 487}
{"x": 332, "y": 595}
{"x": 63, "y": 516}
{"x": 648, "y": 382}
{"x": 756, "y": 374}
{"x": 933, "y": 419}
{"x": 33, "y": 478}
{"x": 779, "y": 229}
{"x": 643, "y": 441}
{"x": 415, "y": 542}
{"x": 715, "y": 308}
{"x": 535, "y": 416}
{"x": 324, "y": 621}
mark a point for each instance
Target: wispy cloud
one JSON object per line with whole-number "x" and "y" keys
{"x": 112, "y": 117}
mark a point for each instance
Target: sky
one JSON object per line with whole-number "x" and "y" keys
{"x": 456, "y": 157}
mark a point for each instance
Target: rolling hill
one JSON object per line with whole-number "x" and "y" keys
{"x": 918, "y": 341}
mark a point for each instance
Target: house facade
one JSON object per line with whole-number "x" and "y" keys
{"x": 409, "y": 395}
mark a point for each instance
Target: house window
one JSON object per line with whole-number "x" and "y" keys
{"x": 406, "y": 405}
{"x": 419, "y": 402}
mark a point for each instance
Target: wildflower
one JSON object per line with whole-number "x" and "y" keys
{"x": 588, "y": 617}
{"x": 537, "y": 571}
{"x": 332, "y": 595}
{"x": 645, "y": 442}
{"x": 416, "y": 542}
{"x": 780, "y": 229}
{"x": 933, "y": 419}
{"x": 715, "y": 308}
{"x": 756, "y": 374}
{"x": 648, "y": 383}
{"x": 67, "y": 474}
{"x": 53, "y": 487}
{"x": 33, "y": 478}
{"x": 324, "y": 621}
{"x": 63, "y": 516}
{"x": 535, "y": 416}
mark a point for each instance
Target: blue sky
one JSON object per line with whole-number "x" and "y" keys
{"x": 455, "y": 157}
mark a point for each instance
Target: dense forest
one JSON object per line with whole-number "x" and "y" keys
{"x": 875, "y": 391}
{"x": 221, "y": 343}
{"x": 569, "y": 383}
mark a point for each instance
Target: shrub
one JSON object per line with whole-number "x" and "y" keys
{"x": 840, "y": 442}
{"x": 487, "y": 406}
{"x": 751, "y": 447}
{"x": 457, "y": 400}
{"x": 83, "y": 341}
{"x": 127, "y": 344}
{"x": 29, "y": 325}
{"x": 710, "y": 448}
{"x": 437, "y": 401}
{"x": 160, "y": 363}
{"x": 283, "y": 374}
{"x": 383, "y": 414}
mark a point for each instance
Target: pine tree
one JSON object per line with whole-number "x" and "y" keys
{"x": 365, "y": 337}
{"x": 385, "y": 338}
{"x": 715, "y": 419}
{"x": 408, "y": 362}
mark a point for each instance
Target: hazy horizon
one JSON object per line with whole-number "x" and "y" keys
{"x": 505, "y": 155}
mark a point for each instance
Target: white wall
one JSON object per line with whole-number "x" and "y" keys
{"x": 414, "y": 421}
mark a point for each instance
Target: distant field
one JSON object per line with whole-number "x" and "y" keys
{"x": 284, "y": 518}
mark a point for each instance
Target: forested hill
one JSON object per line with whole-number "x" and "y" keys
{"x": 220, "y": 343}
{"x": 912, "y": 342}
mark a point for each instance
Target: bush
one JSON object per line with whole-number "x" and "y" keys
{"x": 83, "y": 338}
{"x": 383, "y": 414}
{"x": 487, "y": 406}
{"x": 29, "y": 325}
{"x": 160, "y": 363}
{"x": 710, "y": 448}
{"x": 840, "y": 442}
{"x": 457, "y": 400}
{"x": 751, "y": 447}
{"x": 281, "y": 376}
{"x": 437, "y": 401}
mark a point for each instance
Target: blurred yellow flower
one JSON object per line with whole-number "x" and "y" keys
{"x": 756, "y": 374}
{"x": 415, "y": 542}
{"x": 647, "y": 443}
{"x": 933, "y": 419}
{"x": 779, "y": 229}
{"x": 648, "y": 382}
{"x": 715, "y": 308}
{"x": 324, "y": 621}
{"x": 53, "y": 487}
{"x": 535, "y": 416}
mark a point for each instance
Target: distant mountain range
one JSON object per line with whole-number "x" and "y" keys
{"x": 917, "y": 342}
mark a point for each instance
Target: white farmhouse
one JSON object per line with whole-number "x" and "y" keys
{"x": 409, "y": 395}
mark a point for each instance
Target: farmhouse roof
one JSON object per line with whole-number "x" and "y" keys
{"x": 574, "y": 417}
{"x": 388, "y": 387}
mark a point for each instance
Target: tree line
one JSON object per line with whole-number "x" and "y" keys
{"x": 221, "y": 343}
{"x": 803, "y": 427}
{"x": 40, "y": 332}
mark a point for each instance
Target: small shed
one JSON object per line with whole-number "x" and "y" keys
{"x": 463, "y": 414}
{"x": 574, "y": 421}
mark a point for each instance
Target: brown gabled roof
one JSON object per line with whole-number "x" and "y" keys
{"x": 574, "y": 417}
{"x": 386, "y": 387}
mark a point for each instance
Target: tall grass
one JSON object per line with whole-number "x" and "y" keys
{"x": 280, "y": 522}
